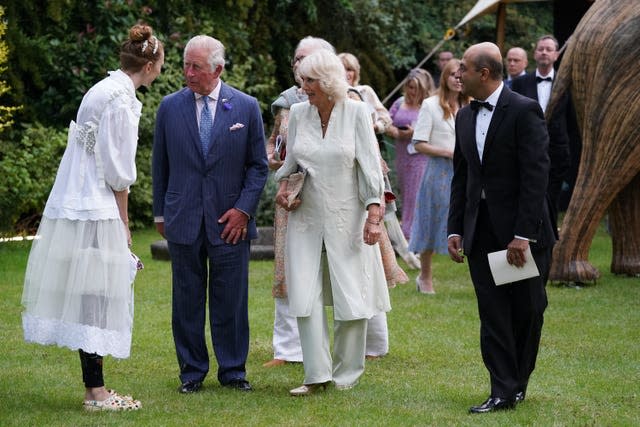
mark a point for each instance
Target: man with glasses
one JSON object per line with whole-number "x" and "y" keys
{"x": 537, "y": 85}
{"x": 501, "y": 167}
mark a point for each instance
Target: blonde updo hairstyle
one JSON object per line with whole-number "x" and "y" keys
{"x": 327, "y": 68}
{"x": 140, "y": 48}
{"x": 351, "y": 63}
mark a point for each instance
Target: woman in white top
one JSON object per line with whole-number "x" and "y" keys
{"x": 329, "y": 252}
{"x": 77, "y": 290}
{"x": 435, "y": 136}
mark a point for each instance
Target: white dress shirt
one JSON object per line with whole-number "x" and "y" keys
{"x": 213, "y": 102}
{"x": 544, "y": 89}
{"x": 483, "y": 119}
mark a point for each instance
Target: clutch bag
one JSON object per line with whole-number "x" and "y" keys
{"x": 294, "y": 185}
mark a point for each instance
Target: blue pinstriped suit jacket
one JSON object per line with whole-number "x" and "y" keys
{"x": 189, "y": 187}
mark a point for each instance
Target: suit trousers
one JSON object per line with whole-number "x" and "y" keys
{"x": 222, "y": 272}
{"x": 349, "y": 338}
{"x": 511, "y": 315}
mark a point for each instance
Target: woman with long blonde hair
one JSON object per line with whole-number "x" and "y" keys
{"x": 435, "y": 137}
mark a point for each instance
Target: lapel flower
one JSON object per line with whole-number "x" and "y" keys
{"x": 226, "y": 105}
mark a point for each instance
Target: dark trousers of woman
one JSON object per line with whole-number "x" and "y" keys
{"x": 91, "y": 369}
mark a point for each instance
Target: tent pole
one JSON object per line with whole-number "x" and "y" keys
{"x": 501, "y": 18}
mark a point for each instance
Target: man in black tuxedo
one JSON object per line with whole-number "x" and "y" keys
{"x": 498, "y": 202}
{"x": 537, "y": 85}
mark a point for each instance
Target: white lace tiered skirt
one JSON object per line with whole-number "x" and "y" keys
{"x": 78, "y": 287}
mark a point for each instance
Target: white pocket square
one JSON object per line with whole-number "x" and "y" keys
{"x": 236, "y": 126}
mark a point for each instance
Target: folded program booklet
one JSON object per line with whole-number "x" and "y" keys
{"x": 504, "y": 273}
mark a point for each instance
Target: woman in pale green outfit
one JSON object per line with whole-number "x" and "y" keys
{"x": 334, "y": 226}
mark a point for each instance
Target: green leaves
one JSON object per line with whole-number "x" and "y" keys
{"x": 60, "y": 48}
{"x": 28, "y": 172}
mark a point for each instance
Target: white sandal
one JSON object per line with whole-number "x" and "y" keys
{"x": 114, "y": 402}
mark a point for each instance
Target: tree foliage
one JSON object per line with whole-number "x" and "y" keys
{"x": 6, "y": 111}
{"x": 59, "y": 48}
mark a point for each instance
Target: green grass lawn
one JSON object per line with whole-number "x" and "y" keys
{"x": 588, "y": 370}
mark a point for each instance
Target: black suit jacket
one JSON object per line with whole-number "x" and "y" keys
{"x": 557, "y": 125}
{"x": 513, "y": 174}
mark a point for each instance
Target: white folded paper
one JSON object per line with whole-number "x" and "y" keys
{"x": 503, "y": 272}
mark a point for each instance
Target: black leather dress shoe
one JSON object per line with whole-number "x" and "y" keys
{"x": 520, "y": 396}
{"x": 493, "y": 404}
{"x": 190, "y": 387}
{"x": 239, "y": 384}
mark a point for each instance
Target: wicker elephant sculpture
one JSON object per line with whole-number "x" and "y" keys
{"x": 601, "y": 66}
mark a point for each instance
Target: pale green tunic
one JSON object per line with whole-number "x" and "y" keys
{"x": 343, "y": 177}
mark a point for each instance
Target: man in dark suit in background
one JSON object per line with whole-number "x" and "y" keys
{"x": 517, "y": 62}
{"x": 537, "y": 85}
{"x": 209, "y": 169}
{"x": 498, "y": 202}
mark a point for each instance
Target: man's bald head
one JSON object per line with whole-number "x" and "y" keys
{"x": 487, "y": 55}
{"x": 516, "y": 61}
{"x": 480, "y": 70}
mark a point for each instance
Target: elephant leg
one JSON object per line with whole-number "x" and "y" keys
{"x": 571, "y": 253}
{"x": 624, "y": 219}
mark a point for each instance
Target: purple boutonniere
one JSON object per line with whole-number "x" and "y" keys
{"x": 226, "y": 105}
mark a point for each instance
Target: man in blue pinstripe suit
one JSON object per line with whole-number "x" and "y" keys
{"x": 209, "y": 169}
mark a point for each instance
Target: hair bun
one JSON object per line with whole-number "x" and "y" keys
{"x": 139, "y": 33}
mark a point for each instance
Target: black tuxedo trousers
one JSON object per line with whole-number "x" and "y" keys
{"x": 511, "y": 315}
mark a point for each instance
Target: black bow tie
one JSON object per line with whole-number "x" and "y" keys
{"x": 543, "y": 79}
{"x": 475, "y": 105}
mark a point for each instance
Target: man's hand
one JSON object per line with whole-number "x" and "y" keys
{"x": 160, "y": 228}
{"x": 236, "y": 225}
{"x": 454, "y": 246}
{"x": 515, "y": 252}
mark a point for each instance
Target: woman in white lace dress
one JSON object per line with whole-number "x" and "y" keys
{"x": 77, "y": 290}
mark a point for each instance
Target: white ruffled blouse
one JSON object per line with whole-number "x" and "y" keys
{"x": 100, "y": 154}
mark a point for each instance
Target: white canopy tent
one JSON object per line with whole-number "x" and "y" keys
{"x": 482, "y": 7}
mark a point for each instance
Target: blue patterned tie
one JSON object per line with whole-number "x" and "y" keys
{"x": 206, "y": 124}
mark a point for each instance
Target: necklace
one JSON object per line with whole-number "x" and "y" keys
{"x": 325, "y": 122}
